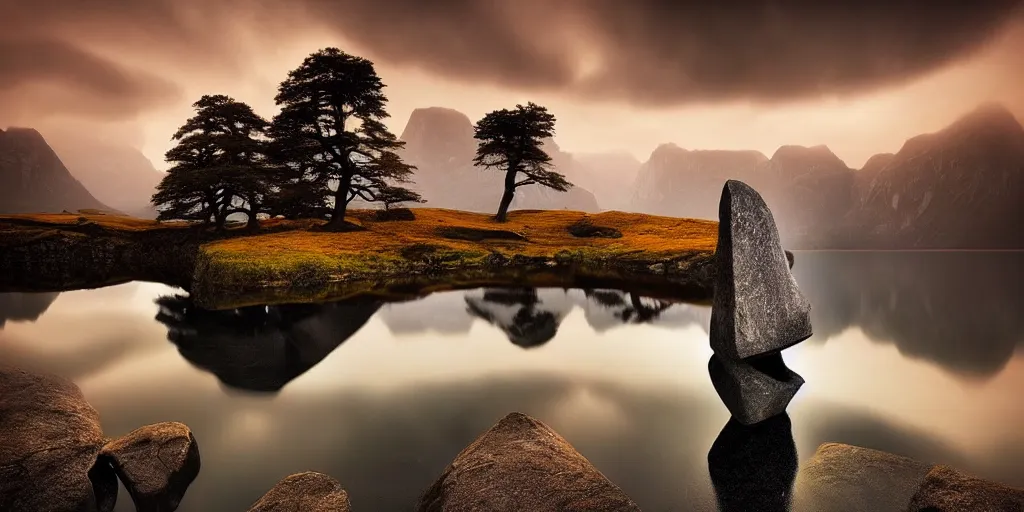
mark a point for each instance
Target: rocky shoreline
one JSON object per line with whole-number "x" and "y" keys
{"x": 54, "y": 457}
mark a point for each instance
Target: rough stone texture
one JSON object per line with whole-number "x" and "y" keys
{"x": 156, "y": 463}
{"x": 844, "y": 478}
{"x": 306, "y": 492}
{"x": 521, "y": 464}
{"x": 49, "y": 441}
{"x": 754, "y": 390}
{"x": 947, "y": 490}
{"x": 758, "y": 307}
{"x": 753, "y": 467}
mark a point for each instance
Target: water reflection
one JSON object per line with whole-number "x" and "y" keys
{"x": 960, "y": 310}
{"x": 261, "y": 348}
{"x": 24, "y": 307}
{"x": 384, "y": 396}
{"x": 753, "y": 467}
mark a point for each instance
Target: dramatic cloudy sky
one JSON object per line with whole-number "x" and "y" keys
{"x": 858, "y": 76}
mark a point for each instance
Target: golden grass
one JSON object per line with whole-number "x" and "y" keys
{"x": 389, "y": 248}
{"x": 118, "y": 222}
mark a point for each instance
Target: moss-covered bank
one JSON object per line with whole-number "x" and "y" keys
{"x": 296, "y": 261}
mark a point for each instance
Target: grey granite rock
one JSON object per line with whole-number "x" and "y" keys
{"x": 844, "y": 478}
{"x": 156, "y": 463}
{"x": 756, "y": 389}
{"x": 306, "y": 492}
{"x": 757, "y": 307}
{"x": 521, "y": 464}
{"x": 50, "y": 438}
{"x": 947, "y": 490}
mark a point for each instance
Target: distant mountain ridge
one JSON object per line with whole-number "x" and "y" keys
{"x": 959, "y": 188}
{"x": 119, "y": 175}
{"x": 33, "y": 179}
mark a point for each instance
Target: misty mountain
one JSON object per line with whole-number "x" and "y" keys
{"x": 118, "y": 175}
{"x": 956, "y": 188}
{"x": 960, "y": 187}
{"x": 440, "y": 143}
{"x": 33, "y": 178}
{"x": 607, "y": 175}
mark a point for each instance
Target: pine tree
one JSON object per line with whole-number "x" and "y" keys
{"x": 219, "y": 165}
{"x": 511, "y": 140}
{"x": 331, "y": 129}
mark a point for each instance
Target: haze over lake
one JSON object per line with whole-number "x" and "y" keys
{"x": 917, "y": 354}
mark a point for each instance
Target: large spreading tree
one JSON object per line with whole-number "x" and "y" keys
{"x": 219, "y": 165}
{"x": 330, "y": 134}
{"x": 510, "y": 141}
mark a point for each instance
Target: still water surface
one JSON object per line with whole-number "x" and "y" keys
{"x": 914, "y": 353}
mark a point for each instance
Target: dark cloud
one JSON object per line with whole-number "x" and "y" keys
{"x": 666, "y": 52}
{"x": 45, "y": 76}
{"x": 653, "y": 52}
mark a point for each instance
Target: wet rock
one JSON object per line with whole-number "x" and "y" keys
{"x": 753, "y": 467}
{"x": 156, "y": 463}
{"x": 844, "y": 478}
{"x": 521, "y": 464}
{"x": 308, "y": 492}
{"x": 758, "y": 307}
{"x": 50, "y": 438}
{"x": 756, "y": 389}
{"x": 947, "y": 490}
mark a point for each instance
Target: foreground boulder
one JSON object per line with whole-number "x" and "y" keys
{"x": 521, "y": 464}
{"x": 756, "y": 389}
{"x": 306, "y": 492}
{"x": 156, "y": 463}
{"x": 753, "y": 467}
{"x": 946, "y": 489}
{"x": 50, "y": 438}
{"x": 54, "y": 457}
{"x": 758, "y": 307}
{"x": 844, "y": 478}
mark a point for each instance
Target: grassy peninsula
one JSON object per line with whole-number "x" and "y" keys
{"x": 298, "y": 261}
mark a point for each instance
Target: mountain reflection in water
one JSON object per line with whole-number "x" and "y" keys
{"x": 914, "y": 353}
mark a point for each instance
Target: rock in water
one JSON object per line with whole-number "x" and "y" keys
{"x": 50, "y": 438}
{"x": 308, "y": 492}
{"x": 156, "y": 463}
{"x": 844, "y": 478}
{"x": 754, "y": 390}
{"x": 521, "y": 464}
{"x": 758, "y": 307}
{"x": 945, "y": 488}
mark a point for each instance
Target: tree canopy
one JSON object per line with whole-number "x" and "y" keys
{"x": 330, "y": 133}
{"x": 511, "y": 140}
{"x": 219, "y": 164}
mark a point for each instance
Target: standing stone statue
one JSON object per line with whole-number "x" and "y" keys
{"x": 758, "y": 310}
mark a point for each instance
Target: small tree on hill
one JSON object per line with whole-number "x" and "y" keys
{"x": 332, "y": 107}
{"x": 511, "y": 140}
{"x": 219, "y": 165}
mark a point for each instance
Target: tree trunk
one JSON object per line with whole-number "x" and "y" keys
{"x": 254, "y": 221}
{"x": 510, "y": 192}
{"x": 340, "y": 202}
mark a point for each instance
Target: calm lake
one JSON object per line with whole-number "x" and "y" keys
{"x": 918, "y": 354}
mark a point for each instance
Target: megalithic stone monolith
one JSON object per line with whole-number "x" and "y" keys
{"x": 757, "y": 307}
{"x": 754, "y": 390}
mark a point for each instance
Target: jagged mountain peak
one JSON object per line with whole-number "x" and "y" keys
{"x": 988, "y": 124}
{"x": 33, "y": 179}
{"x": 987, "y": 116}
{"x": 820, "y": 154}
{"x": 439, "y": 136}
